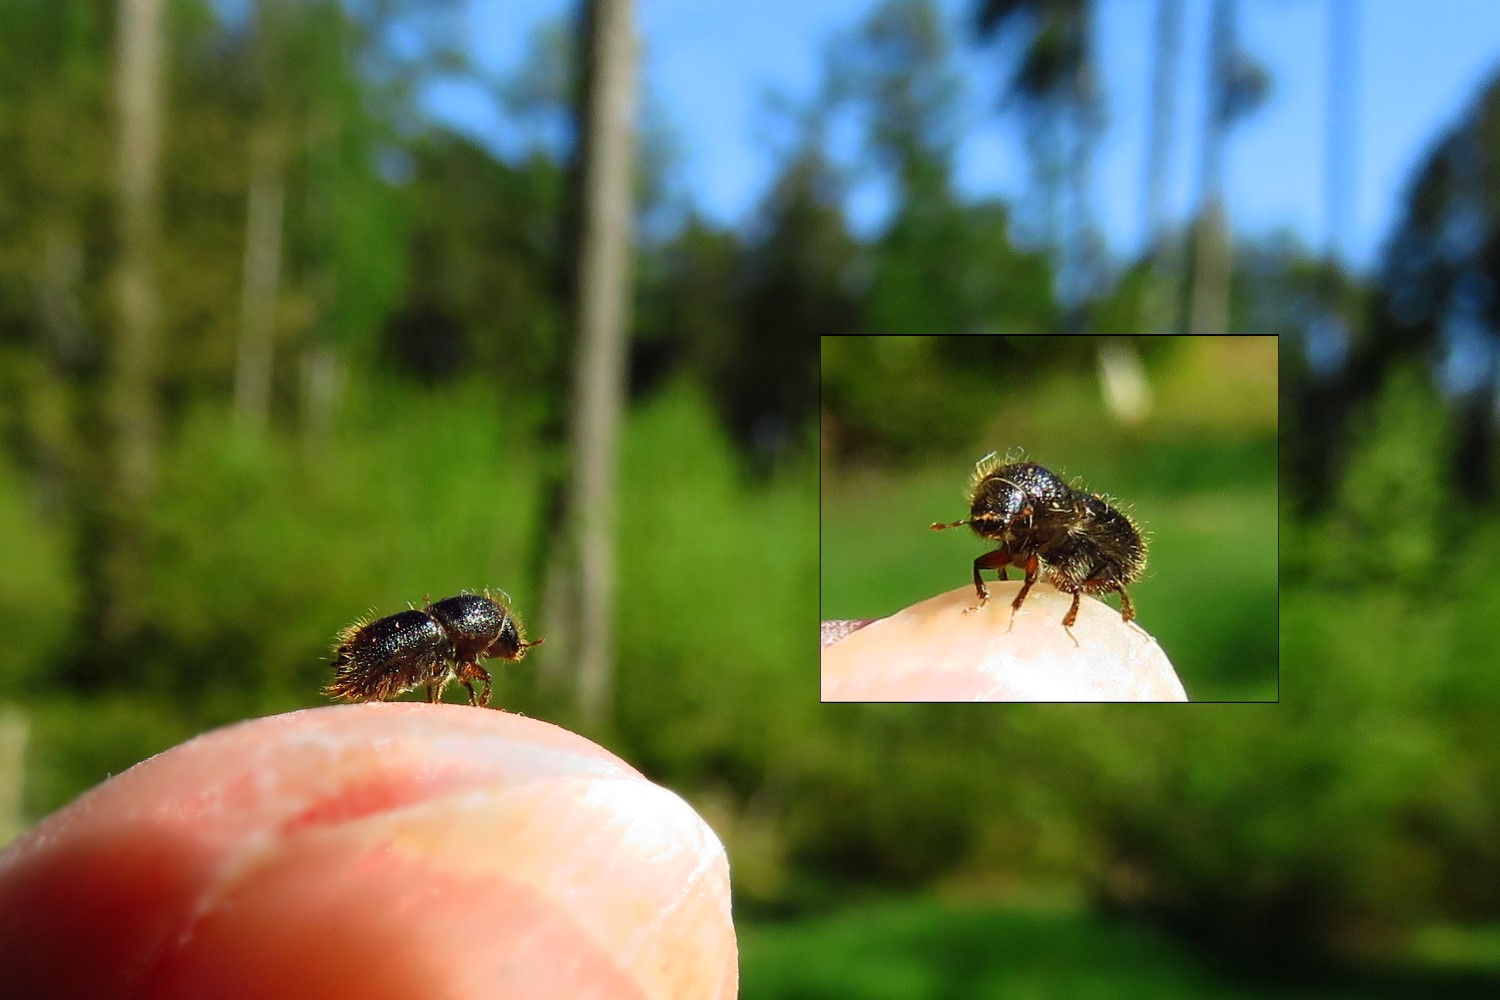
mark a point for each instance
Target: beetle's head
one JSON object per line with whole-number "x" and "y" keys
{"x": 998, "y": 504}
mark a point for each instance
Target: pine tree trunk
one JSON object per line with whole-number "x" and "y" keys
{"x": 130, "y": 404}
{"x": 1158, "y": 298}
{"x": 261, "y": 282}
{"x": 1209, "y": 312}
{"x": 604, "y": 242}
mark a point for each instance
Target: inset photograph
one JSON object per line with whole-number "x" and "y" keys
{"x": 1049, "y": 519}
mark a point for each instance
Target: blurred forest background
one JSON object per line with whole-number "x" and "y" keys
{"x": 278, "y": 346}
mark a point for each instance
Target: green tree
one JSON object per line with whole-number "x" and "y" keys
{"x": 940, "y": 265}
{"x": 796, "y": 284}
{"x": 1437, "y": 288}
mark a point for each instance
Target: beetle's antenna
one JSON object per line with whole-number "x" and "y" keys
{"x": 939, "y": 526}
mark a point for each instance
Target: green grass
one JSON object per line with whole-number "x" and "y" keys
{"x": 930, "y": 950}
{"x": 927, "y": 950}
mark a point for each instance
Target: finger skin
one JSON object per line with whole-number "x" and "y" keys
{"x": 384, "y": 851}
{"x": 936, "y": 650}
{"x": 833, "y": 631}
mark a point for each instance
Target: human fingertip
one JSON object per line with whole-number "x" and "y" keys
{"x": 833, "y": 631}
{"x": 947, "y": 648}
{"x": 389, "y": 851}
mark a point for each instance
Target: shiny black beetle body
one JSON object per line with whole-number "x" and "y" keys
{"x": 377, "y": 660}
{"x": 1073, "y": 539}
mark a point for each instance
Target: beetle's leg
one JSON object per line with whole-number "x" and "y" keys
{"x": 1127, "y": 610}
{"x": 437, "y": 683}
{"x": 990, "y": 560}
{"x": 468, "y": 673}
{"x": 1031, "y": 568}
{"x": 1072, "y": 615}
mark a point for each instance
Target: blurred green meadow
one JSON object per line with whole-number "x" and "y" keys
{"x": 935, "y": 950}
{"x": 1199, "y": 475}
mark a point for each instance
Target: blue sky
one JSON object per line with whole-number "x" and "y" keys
{"x": 709, "y": 63}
